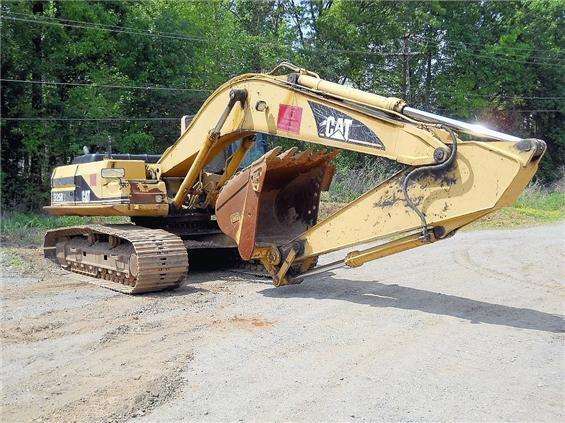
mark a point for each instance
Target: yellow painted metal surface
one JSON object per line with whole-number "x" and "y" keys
{"x": 318, "y": 84}
{"x": 480, "y": 182}
{"x": 358, "y": 258}
{"x": 485, "y": 176}
{"x": 109, "y": 210}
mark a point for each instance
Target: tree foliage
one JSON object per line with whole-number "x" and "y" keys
{"x": 499, "y": 63}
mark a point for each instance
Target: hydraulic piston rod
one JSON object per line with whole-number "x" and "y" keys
{"x": 457, "y": 124}
{"x": 398, "y": 105}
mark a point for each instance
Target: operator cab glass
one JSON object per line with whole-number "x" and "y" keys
{"x": 258, "y": 149}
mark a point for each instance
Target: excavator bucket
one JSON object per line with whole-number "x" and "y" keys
{"x": 274, "y": 199}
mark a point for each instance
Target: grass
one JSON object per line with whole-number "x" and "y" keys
{"x": 9, "y": 258}
{"x": 349, "y": 184}
{"x": 534, "y": 207}
{"x": 28, "y": 229}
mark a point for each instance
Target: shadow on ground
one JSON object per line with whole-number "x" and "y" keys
{"x": 396, "y": 296}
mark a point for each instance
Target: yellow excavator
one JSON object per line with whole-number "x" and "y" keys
{"x": 196, "y": 200}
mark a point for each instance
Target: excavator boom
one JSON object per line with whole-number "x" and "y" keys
{"x": 454, "y": 173}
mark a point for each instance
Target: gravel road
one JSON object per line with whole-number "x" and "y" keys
{"x": 469, "y": 329}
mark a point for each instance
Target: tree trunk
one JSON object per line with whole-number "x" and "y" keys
{"x": 35, "y": 169}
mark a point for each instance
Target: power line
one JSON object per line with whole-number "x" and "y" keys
{"x": 128, "y": 119}
{"x": 367, "y": 52}
{"x": 114, "y": 28}
{"x": 121, "y": 29}
{"x": 500, "y": 111}
{"x": 466, "y": 50}
{"x": 95, "y": 85}
{"x": 519, "y": 49}
{"x": 108, "y": 26}
{"x": 474, "y": 45}
{"x": 495, "y": 96}
{"x": 208, "y": 90}
{"x": 125, "y": 119}
{"x": 529, "y": 111}
{"x": 84, "y": 84}
{"x": 88, "y": 25}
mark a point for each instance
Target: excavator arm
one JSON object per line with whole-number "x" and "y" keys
{"x": 455, "y": 173}
{"x": 274, "y": 105}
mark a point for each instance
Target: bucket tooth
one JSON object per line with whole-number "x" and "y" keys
{"x": 271, "y": 154}
{"x": 288, "y": 154}
{"x": 302, "y": 155}
{"x": 317, "y": 155}
{"x": 275, "y": 199}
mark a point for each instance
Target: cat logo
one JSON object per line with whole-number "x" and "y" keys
{"x": 336, "y": 125}
{"x": 337, "y": 129}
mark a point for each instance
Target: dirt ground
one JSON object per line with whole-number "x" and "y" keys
{"x": 469, "y": 329}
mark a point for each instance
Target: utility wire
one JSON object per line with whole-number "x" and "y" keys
{"x": 95, "y": 85}
{"x": 125, "y": 119}
{"x": 450, "y": 47}
{"x": 366, "y": 52}
{"x": 87, "y": 25}
{"x": 493, "y": 96}
{"x": 128, "y": 119}
{"x": 466, "y": 50}
{"x": 178, "y": 36}
{"x": 422, "y": 37}
{"x": 120, "y": 29}
{"x": 108, "y": 26}
{"x": 500, "y": 111}
{"x": 84, "y": 84}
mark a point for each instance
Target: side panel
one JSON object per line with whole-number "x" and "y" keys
{"x": 63, "y": 185}
{"x": 82, "y": 190}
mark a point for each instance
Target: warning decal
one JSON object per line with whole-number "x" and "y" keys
{"x": 290, "y": 118}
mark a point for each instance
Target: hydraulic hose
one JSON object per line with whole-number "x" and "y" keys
{"x": 419, "y": 170}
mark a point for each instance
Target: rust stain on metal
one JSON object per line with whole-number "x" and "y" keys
{"x": 277, "y": 198}
{"x": 144, "y": 193}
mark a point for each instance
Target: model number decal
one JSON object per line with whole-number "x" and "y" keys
{"x": 335, "y": 125}
{"x": 58, "y": 197}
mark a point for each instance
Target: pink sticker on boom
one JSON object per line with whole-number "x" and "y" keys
{"x": 290, "y": 118}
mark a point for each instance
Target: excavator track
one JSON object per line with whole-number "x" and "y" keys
{"x": 125, "y": 258}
